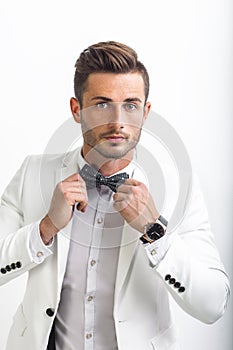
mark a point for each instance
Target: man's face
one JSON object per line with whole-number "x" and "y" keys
{"x": 113, "y": 112}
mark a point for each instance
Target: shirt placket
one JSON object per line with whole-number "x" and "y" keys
{"x": 89, "y": 304}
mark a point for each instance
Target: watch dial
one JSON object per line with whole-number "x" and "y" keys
{"x": 155, "y": 232}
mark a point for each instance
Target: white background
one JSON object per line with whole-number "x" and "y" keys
{"x": 187, "y": 48}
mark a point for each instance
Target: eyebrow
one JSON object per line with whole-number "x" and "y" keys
{"x": 107, "y": 99}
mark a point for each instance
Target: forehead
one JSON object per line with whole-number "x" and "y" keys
{"x": 116, "y": 86}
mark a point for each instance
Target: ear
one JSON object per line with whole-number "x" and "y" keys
{"x": 146, "y": 111}
{"x": 75, "y": 109}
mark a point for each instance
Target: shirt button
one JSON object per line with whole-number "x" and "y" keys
{"x": 93, "y": 262}
{"x": 90, "y": 298}
{"x": 88, "y": 336}
{"x": 39, "y": 254}
{"x": 153, "y": 252}
{"x": 99, "y": 220}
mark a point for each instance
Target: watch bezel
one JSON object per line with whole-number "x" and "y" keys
{"x": 151, "y": 234}
{"x": 155, "y": 231}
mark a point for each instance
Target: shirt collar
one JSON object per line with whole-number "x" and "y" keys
{"x": 129, "y": 169}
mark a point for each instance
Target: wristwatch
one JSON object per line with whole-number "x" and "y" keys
{"x": 155, "y": 230}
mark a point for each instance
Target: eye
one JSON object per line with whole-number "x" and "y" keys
{"x": 130, "y": 107}
{"x": 102, "y": 105}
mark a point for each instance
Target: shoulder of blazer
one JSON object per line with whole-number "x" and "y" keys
{"x": 53, "y": 161}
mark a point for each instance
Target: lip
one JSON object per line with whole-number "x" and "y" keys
{"x": 115, "y": 138}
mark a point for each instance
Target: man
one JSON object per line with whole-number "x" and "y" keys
{"x": 101, "y": 260}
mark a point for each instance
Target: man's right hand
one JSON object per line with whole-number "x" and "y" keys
{"x": 68, "y": 192}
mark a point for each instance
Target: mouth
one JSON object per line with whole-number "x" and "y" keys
{"x": 115, "y": 138}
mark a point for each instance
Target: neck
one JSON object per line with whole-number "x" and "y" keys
{"x": 106, "y": 166}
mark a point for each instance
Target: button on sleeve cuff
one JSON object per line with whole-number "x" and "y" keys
{"x": 157, "y": 250}
{"x": 38, "y": 250}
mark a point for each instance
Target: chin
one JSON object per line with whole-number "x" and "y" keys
{"x": 114, "y": 152}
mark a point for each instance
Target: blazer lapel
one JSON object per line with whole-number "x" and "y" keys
{"x": 129, "y": 243}
{"x": 128, "y": 249}
{"x": 130, "y": 237}
{"x": 69, "y": 167}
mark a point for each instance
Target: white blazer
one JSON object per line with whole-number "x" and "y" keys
{"x": 141, "y": 308}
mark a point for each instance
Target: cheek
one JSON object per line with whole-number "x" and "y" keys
{"x": 135, "y": 132}
{"x": 93, "y": 127}
{"x": 91, "y": 123}
{"x": 93, "y": 134}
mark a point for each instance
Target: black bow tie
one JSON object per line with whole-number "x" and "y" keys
{"x": 94, "y": 179}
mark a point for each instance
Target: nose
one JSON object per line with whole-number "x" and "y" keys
{"x": 117, "y": 116}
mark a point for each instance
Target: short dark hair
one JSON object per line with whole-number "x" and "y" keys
{"x": 107, "y": 57}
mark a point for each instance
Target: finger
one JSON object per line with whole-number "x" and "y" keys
{"x": 72, "y": 198}
{"x": 132, "y": 182}
{"x": 124, "y": 189}
{"x": 120, "y": 196}
{"x": 66, "y": 185}
{"x": 127, "y": 185}
{"x": 81, "y": 206}
{"x": 121, "y": 201}
{"x": 74, "y": 177}
{"x": 120, "y": 206}
{"x": 73, "y": 188}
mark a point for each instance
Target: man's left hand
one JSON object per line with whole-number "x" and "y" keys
{"x": 135, "y": 204}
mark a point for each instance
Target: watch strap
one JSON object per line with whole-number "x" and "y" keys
{"x": 163, "y": 220}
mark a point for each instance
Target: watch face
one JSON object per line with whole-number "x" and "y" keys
{"x": 155, "y": 231}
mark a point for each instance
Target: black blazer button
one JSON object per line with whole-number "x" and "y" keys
{"x": 8, "y": 268}
{"x": 3, "y": 271}
{"x": 177, "y": 285}
{"x": 181, "y": 289}
{"x": 13, "y": 266}
{"x": 167, "y": 277}
{"x": 18, "y": 264}
{"x": 50, "y": 312}
{"x": 172, "y": 281}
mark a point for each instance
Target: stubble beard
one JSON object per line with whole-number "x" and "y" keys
{"x": 114, "y": 150}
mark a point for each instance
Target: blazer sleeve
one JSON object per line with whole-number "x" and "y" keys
{"x": 192, "y": 270}
{"x": 15, "y": 256}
